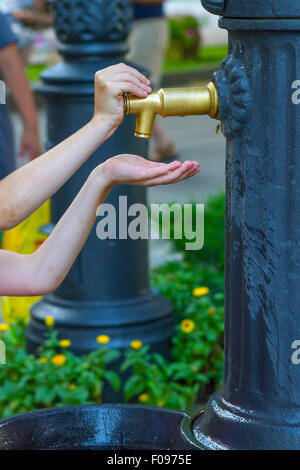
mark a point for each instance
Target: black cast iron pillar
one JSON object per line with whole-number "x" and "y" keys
{"x": 107, "y": 291}
{"x": 258, "y": 406}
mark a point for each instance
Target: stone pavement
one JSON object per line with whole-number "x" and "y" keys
{"x": 196, "y": 139}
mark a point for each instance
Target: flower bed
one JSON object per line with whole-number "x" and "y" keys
{"x": 56, "y": 377}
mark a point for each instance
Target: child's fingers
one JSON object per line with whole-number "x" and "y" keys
{"x": 186, "y": 166}
{"x": 128, "y": 77}
{"x": 188, "y": 169}
{"x": 188, "y": 175}
{"x": 183, "y": 173}
{"x": 172, "y": 176}
{"x": 151, "y": 173}
{"x": 193, "y": 171}
{"x": 135, "y": 72}
{"x": 119, "y": 68}
{"x": 168, "y": 166}
{"x": 128, "y": 87}
{"x": 150, "y": 163}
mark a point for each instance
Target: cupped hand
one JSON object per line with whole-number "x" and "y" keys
{"x": 110, "y": 85}
{"x": 132, "y": 169}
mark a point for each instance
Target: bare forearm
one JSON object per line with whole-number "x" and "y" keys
{"x": 23, "y": 191}
{"x": 12, "y": 71}
{"x": 41, "y": 272}
{"x": 53, "y": 260}
{"x": 44, "y": 270}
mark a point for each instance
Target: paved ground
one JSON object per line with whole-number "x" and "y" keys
{"x": 196, "y": 139}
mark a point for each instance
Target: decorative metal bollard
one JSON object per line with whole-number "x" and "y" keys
{"x": 258, "y": 406}
{"x": 258, "y": 90}
{"x": 107, "y": 291}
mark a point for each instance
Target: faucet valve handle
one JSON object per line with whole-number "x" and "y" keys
{"x": 191, "y": 101}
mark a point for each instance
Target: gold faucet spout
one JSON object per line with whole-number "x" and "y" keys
{"x": 171, "y": 102}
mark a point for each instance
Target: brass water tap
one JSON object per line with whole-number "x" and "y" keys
{"x": 171, "y": 102}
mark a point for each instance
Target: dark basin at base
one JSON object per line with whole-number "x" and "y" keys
{"x": 113, "y": 427}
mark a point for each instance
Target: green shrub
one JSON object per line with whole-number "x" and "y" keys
{"x": 195, "y": 286}
{"x": 185, "y": 38}
{"x": 197, "y": 354}
{"x": 156, "y": 381}
{"x": 55, "y": 377}
{"x": 213, "y": 250}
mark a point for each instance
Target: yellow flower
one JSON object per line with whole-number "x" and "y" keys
{"x": 43, "y": 360}
{"x": 59, "y": 360}
{"x": 72, "y": 387}
{"x": 200, "y": 291}
{"x": 49, "y": 321}
{"x": 161, "y": 402}
{"x": 65, "y": 343}
{"x": 187, "y": 326}
{"x": 4, "y": 327}
{"x": 211, "y": 311}
{"x": 143, "y": 397}
{"x": 103, "y": 339}
{"x": 136, "y": 344}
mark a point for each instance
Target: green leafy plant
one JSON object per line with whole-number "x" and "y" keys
{"x": 185, "y": 38}
{"x": 55, "y": 377}
{"x": 155, "y": 381}
{"x": 196, "y": 363}
{"x": 214, "y": 235}
{"x": 195, "y": 286}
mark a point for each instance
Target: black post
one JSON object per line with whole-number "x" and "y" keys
{"x": 258, "y": 406}
{"x": 107, "y": 291}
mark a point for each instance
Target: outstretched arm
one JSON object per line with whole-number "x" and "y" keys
{"x": 43, "y": 271}
{"x": 23, "y": 191}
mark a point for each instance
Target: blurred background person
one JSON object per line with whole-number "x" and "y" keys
{"x": 148, "y": 43}
{"x": 23, "y": 15}
{"x": 38, "y": 15}
{"x": 13, "y": 74}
